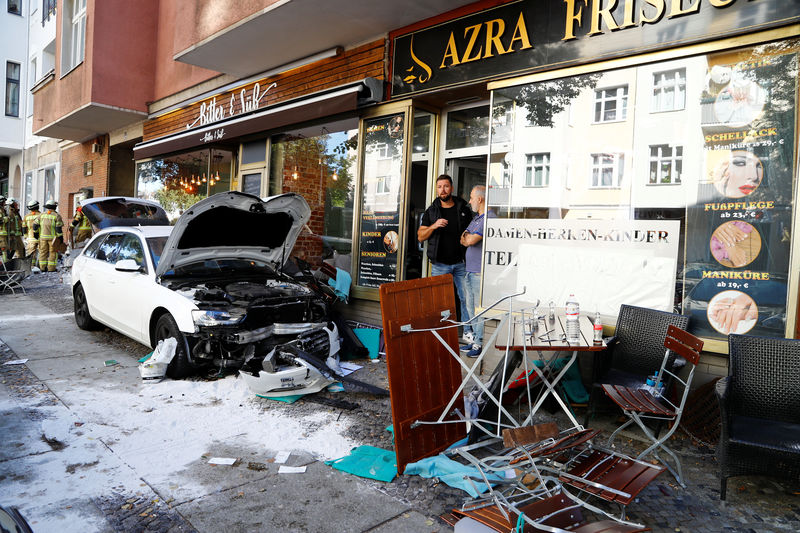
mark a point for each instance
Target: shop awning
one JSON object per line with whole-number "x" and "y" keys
{"x": 340, "y": 100}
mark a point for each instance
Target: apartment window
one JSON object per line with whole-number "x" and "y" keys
{"x": 666, "y": 164}
{"x": 669, "y": 90}
{"x": 74, "y": 34}
{"x": 32, "y": 82}
{"x": 383, "y": 185}
{"x": 50, "y": 193}
{"x": 611, "y": 105}
{"x": 15, "y": 7}
{"x": 607, "y": 170}
{"x": 48, "y": 10}
{"x": 537, "y": 170}
{"x": 12, "y": 89}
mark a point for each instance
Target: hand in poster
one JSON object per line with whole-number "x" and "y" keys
{"x": 728, "y": 310}
{"x": 735, "y": 244}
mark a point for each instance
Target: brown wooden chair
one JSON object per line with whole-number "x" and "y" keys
{"x": 640, "y": 405}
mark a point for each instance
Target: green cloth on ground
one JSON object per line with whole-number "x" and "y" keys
{"x": 369, "y": 462}
{"x": 286, "y": 399}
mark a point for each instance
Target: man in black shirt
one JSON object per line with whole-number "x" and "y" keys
{"x": 442, "y": 225}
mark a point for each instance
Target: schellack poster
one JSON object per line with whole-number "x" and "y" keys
{"x": 739, "y": 230}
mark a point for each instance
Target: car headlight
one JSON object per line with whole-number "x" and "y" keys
{"x": 215, "y": 318}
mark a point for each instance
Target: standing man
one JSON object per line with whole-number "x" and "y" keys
{"x": 15, "y": 230}
{"x": 442, "y": 225}
{"x": 50, "y": 224}
{"x": 81, "y": 227}
{"x": 4, "y": 223}
{"x": 31, "y": 235}
{"x": 472, "y": 238}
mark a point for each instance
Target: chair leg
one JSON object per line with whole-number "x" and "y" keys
{"x": 590, "y": 406}
{"x": 723, "y": 488}
{"x": 623, "y": 426}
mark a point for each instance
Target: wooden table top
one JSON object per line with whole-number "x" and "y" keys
{"x": 550, "y": 336}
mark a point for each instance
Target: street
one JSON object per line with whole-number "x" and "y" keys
{"x": 90, "y": 446}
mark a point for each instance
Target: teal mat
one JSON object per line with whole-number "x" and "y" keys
{"x": 369, "y": 462}
{"x": 371, "y": 339}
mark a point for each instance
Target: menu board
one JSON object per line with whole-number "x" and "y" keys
{"x": 379, "y": 238}
{"x": 738, "y": 243}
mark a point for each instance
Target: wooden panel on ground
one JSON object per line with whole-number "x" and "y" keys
{"x": 423, "y": 375}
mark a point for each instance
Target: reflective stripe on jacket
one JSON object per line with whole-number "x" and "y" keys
{"x": 50, "y": 225}
{"x": 28, "y": 222}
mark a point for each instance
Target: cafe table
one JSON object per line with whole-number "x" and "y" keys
{"x": 548, "y": 335}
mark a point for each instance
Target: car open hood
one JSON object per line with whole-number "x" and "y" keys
{"x": 123, "y": 211}
{"x": 235, "y": 225}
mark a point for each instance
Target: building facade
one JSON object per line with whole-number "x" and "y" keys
{"x": 14, "y": 64}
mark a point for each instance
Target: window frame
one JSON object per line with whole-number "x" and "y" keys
{"x": 531, "y": 166}
{"x": 674, "y": 159}
{"x": 601, "y": 99}
{"x": 19, "y": 7}
{"x": 12, "y": 87}
{"x": 677, "y": 84}
{"x": 617, "y": 167}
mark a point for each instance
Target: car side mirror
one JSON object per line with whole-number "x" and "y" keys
{"x": 127, "y": 265}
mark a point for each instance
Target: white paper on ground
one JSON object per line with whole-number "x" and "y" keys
{"x": 221, "y": 461}
{"x": 281, "y": 457}
{"x": 349, "y": 368}
{"x": 291, "y": 469}
{"x": 16, "y": 362}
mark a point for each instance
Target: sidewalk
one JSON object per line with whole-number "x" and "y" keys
{"x": 91, "y": 447}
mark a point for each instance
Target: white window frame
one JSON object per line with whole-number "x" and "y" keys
{"x": 666, "y": 81}
{"x": 9, "y": 88}
{"x": 73, "y": 41}
{"x": 603, "y": 97}
{"x": 534, "y": 162}
{"x": 614, "y": 162}
{"x": 667, "y": 155}
{"x": 383, "y": 185}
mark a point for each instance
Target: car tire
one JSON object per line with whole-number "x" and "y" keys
{"x": 83, "y": 317}
{"x": 180, "y": 367}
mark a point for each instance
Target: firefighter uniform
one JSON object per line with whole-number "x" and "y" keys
{"x": 4, "y": 223}
{"x": 50, "y": 229}
{"x": 81, "y": 227}
{"x": 15, "y": 230}
{"x": 31, "y": 236}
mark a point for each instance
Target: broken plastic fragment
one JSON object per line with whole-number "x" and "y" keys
{"x": 222, "y": 461}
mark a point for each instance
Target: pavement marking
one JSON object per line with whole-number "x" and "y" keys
{"x": 33, "y": 317}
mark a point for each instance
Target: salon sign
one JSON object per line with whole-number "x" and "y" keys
{"x": 230, "y": 105}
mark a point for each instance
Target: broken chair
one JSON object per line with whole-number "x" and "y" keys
{"x": 640, "y": 405}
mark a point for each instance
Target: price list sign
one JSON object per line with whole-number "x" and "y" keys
{"x": 739, "y": 229}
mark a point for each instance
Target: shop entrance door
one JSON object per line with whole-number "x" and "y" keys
{"x": 466, "y": 173}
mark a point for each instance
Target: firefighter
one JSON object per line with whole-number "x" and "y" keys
{"x": 31, "y": 236}
{"x": 4, "y": 222}
{"x": 50, "y": 232}
{"x": 81, "y": 227}
{"x": 14, "y": 230}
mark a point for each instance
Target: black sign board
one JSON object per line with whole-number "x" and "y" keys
{"x": 531, "y": 35}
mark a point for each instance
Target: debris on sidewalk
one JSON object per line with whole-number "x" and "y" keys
{"x": 155, "y": 365}
{"x": 369, "y": 462}
{"x": 16, "y": 362}
{"x": 229, "y": 461}
{"x": 111, "y": 362}
{"x": 292, "y": 469}
{"x": 281, "y": 457}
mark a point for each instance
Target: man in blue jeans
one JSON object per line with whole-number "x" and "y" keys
{"x": 442, "y": 225}
{"x": 472, "y": 238}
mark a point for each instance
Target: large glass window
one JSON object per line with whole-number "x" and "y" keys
{"x": 12, "y": 89}
{"x": 319, "y": 162}
{"x": 73, "y": 41}
{"x": 467, "y": 128}
{"x": 179, "y": 181}
{"x": 714, "y": 244}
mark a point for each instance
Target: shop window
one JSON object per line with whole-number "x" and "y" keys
{"x": 15, "y": 7}
{"x": 607, "y": 170}
{"x": 666, "y": 164}
{"x": 251, "y": 183}
{"x": 254, "y": 152}
{"x": 319, "y": 162}
{"x": 537, "y": 170}
{"x": 669, "y": 90}
{"x": 611, "y": 105}
{"x": 73, "y": 45}
{"x": 179, "y": 181}
{"x": 12, "y": 89}
{"x": 467, "y": 128}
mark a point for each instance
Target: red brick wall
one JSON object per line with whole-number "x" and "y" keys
{"x": 72, "y": 178}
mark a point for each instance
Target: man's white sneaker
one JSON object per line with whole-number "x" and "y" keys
{"x": 468, "y": 338}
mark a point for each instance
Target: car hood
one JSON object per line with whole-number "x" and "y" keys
{"x": 235, "y": 225}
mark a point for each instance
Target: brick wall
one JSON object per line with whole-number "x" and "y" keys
{"x": 72, "y": 173}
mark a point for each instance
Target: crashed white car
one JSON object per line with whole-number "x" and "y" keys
{"x": 216, "y": 281}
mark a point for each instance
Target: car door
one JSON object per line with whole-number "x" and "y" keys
{"x": 132, "y": 292}
{"x": 95, "y": 278}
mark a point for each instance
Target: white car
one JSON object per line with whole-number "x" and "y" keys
{"x": 216, "y": 282}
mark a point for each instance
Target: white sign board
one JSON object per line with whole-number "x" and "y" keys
{"x": 605, "y": 263}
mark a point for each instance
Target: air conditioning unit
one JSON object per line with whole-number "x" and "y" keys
{"x": 97, "y": 148}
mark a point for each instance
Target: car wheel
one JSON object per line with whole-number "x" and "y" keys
{"x": 83, "y": 318}
{"x": 180, "y": 366}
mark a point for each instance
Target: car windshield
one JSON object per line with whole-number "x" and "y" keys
{"x": 156, "y": 245}
{"x": 124, "y": 212}
{"x": 220, "y": 268}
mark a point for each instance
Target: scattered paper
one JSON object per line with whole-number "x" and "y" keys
{"x": 349, "y": 368}
{"x": 291, "y": 469}
{"x": 16, "y": 362}
{"x": 281, "y": 457}
{"x": 221, "y": 461}
{"x": 111, "y": 362}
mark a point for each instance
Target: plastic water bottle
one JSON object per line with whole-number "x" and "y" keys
{"x": 598, "y": 329}
{"x": 573, "y": 312}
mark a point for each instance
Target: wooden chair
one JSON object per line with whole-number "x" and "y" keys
{"x": 640, "y": 405}
{"x": 634, "y": 352}
{"x": 760, "y": 409}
